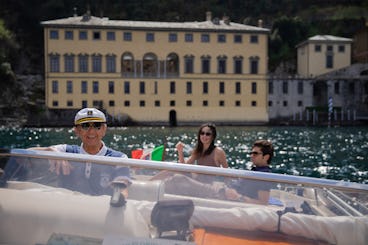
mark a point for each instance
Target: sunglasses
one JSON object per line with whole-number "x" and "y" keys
{"x": 86, "y": 126}
{"x": 206, "y": 133}
{"x": 256, "y": 153}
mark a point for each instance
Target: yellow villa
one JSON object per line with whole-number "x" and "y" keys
{"x": 158, "y": 72}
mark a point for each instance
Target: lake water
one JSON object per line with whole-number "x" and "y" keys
{"x": 335, "y": 153}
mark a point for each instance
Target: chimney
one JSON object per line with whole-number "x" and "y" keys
{"x": 75, "y": 12}
{"x": 260, "y": 23}
{"x": 208, "y": 16}
{"x": 226, "y": 19}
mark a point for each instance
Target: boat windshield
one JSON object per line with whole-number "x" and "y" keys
{"x": 106, "y": 200}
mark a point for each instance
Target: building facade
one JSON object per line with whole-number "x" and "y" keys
{"x": 187, "y": 72}
{"x": 322, "y": 54}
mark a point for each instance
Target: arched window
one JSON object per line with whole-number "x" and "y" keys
{"x": 172, "y": 65}
{"x": 150, "y": 68}
{"x": 127, "y": 65}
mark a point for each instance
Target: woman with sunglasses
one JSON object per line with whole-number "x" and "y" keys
{"x": 205, "y": 153}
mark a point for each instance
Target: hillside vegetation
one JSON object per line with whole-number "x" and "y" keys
{"x": 290, "y": 22}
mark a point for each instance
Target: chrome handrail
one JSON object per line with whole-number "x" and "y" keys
{"x": 178, "y": 167}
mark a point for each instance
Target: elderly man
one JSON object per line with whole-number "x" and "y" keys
{"x": 94, "y": 179}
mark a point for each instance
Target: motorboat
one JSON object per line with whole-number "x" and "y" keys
{"x": 174, "y": 203}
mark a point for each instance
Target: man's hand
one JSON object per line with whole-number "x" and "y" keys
{"x": 60, "y": 167}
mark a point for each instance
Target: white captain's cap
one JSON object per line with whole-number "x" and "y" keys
{"x": 89, "y": 115}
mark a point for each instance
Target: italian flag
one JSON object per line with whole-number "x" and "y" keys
{"x": 155, "y": 154}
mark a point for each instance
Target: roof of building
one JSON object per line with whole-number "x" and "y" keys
{"x": 325, "y": 39}
{"x": 96, "y": 22}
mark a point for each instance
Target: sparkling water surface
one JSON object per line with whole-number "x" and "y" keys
{"x": 334, "y": 153}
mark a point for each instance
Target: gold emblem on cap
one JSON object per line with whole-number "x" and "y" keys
{"x": 89, "y": 113}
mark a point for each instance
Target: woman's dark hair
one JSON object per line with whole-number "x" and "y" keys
{"x": 266, "y": 148}
{"x": 199, "y": 147}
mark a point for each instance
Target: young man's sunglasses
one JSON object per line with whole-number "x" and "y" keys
{"x": 95, "y": 125}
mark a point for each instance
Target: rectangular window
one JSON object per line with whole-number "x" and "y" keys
{"x": 329, "y": 61}
{"x": 110, "y": 63}
{"x": 337, "y": 88}
{"x": 83, "y": 63}
{"x": 111, "y": 87}
{"x": 205, "y": 88}
{"x": 237, "y": 103}
{"x": 84, "y": 88}
{"x": 96, "y": 35}
{"x": 68, "y": 35}
{"x": 55, "y": 103}
{"x": 157, "y": 103}
{"x": 54, "y": 63}
{"x": 172, "y": 87}
{"x": 126, "y": 87}
{"x": 254, "y": 39}
{"x": 150, "y": 37}
{"x": 270, "y": 87}
{"x": 221, "y": 87}
{"x": 173, "y": 37}
{"x": 221, "y": 103}
{"x": 96, "y": 64}
{"x": 300, "y": 103}
{"x": 127, "y": 36}
{"x": 126, "y": 103}
{"x": 69, "y": 87}
{"x": 83, "y": 35}
{"x": 95, "y": 87}
{"x": 84, "y": 104}
{"x": 300, "y": 87}
{"x": 254, "y": 66}
{"x": 189, "y": 87}
{"x": 142, "y": 87}
{"x": 142, "y": 103}
{"x": 54, "y": 34}
{"x": 110, "y": 36}
{"x": 317, "y": 48}
{"x": 238, "y": 38}
{"x": 238, "y": 66}
{"x": 341, "y": 49}
{"x": 254, "y": 87}
{"x": 188, "y": 37}
{"x": 189, "y": 65}
{"x": 155, "y": 87}
{"x": 69, "y": 103}
{"x": 238, "y": 88}
{"x": 351, "y": 88}
{"x": 205, "y": 38}
{"x": 97, "y": 103}
{"x": 69, "y": 63}
{"x": 205, "y": 66}
{"x": 254, "y": 103}
{"x": 205, "y": 103}
{"x": 189, "y": 103}
{"x": 285, "y": 87}
{"x": 329, "y": 48}
{"x": 172, "y": 102}
{"x": 221, "y": 38}
{"x": 55, "y": 87}
{"x": 111, "y": 103}
{"x": 221, "y": 69}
